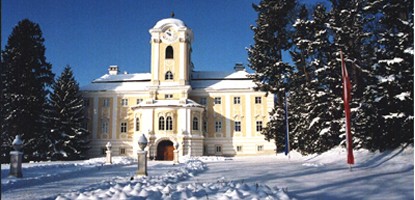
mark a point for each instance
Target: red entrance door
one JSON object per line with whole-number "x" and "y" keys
{"x": 165, "y": 150}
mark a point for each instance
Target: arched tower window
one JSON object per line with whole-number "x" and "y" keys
{"x": 169, "y": 52}
{"x": 169, "y": 75}
{"x": 169, "y": 123}
{"x": 195, "y": 124}
{"x": 161, "y": 123}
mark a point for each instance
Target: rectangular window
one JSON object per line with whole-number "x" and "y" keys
{"x": 218, "y": 100}
{"x": 139, "y": 101}
{"x": 258, "y": 100}
{"x": 258, "y": 126}
{"x": 122, "y": 151}
{"x": 104, "y": 127}
{"x": 103, "y": 150}
{"x": 237, "y": 126}
{"x": 137, "y": 124}
{"x": 218, "y": 126}
{"x": 238, "y": 148}
{"x": 195, "y": 124}
{"x": 203, "y": 101}
{"x": 124, "y": 102}
{"x": 123, "y": 127}
{"x": 168, "y": 96}
{"x": 106, "y": 103}
{"x": 237, "y": 100}
{"x": 218, "y": 149}
{"x": 260, "y": 148}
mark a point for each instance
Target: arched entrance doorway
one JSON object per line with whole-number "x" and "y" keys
{"x": 165, "y": 150}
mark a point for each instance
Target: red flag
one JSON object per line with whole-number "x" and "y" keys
{"x": 346, "y": 98}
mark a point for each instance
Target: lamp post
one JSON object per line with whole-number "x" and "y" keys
{"x": 16, "y": 158}
{"x": 108, "y": 152}
{"x": 142, "y": 156}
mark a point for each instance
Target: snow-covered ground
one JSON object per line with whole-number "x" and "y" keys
{"x": 387, "y": 175}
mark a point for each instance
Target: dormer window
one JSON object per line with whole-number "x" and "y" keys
{"x": 169, "y": 75}
{"x": 169, "y": 52}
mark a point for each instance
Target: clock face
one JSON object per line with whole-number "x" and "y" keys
{"x": 169, "y": 35}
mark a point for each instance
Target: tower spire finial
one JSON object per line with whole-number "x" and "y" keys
{"x": 172, "y": 14}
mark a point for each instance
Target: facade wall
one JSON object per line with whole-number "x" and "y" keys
{"x": 231, "y": 142}
{"x": 244, "y": 109}
{"x": 225, "y": 127}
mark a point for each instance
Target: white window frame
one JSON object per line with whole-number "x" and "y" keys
{"x": 106, "y": 102}
{"x": 218, "y": 148}
{"x": 258, "y": 100}
{"x": 139, "y": 101}
{"x": 162, "y": 123}
{"x": 124, "y": 102}
{"x": 168, "y": 76}
{"x": 123, "y": 127}
{"x": 218, "y": 126}
{"x": 239, "y": 148}
{"x": 169, "y": 123}
{"x": 259, "y": 126}
{"x": 105, "y": 126}
{"x": 123, "y": 151}
{"x": 238, "y": 126}
{"x": 137, "y": 124}
{"x": 236, "y": 100}
{"x": 218, "y": 100}
{"x": 195, "y": 124}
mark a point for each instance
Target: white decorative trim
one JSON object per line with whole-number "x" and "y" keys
{"x": 228, "y": 116}
{"x": 156, "y": 63}
{"x": 182, "y": 67}
{"x": 114, "y": 117}
{"x": 123, "y": 136}
{"x": 249, "y": 114}
{"x": 95, "y": 118}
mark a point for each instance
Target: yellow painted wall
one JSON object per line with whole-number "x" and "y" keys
{"x": 216, "y": 112}
{"x": 104, "y": 113}
{"x": 172, "y": 65}
{"x": 89, "y": 114}
{"x": 238, "y": 110}
{"x": 259, "y": 112}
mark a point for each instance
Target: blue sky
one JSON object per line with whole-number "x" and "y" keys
{"x": 90, "y": 35}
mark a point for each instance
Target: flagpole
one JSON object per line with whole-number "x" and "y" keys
{"x": 287, "y": 136}
{"x": 346, "y": 100}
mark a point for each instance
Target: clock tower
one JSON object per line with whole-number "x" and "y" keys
{"x": 170, "y": 53}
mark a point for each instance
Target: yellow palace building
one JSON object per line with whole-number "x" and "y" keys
{"x": 199, "y": 112}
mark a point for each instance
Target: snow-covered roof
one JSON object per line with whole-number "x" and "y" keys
{"x": 220, "y": 75}
{"x": 221, "y": 80}
{"x": 200, "y": 80}
{"x": 170, "y": 103}
{"x": 120, "y": 82}
{"x": 174, "y": 21}
{"x": 124, "y": 77}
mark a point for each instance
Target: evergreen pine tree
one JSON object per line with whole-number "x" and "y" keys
{"x": 301, "y": 90}
{"x": 26, "y": 76}
{"x": 69, "y": 140}
{"x": 394, "y": 73}
{"x": 272, "y": 37}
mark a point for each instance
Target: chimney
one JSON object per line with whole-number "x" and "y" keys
{"x": 239, "y": 67}
{"x": 113, "y": 70}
